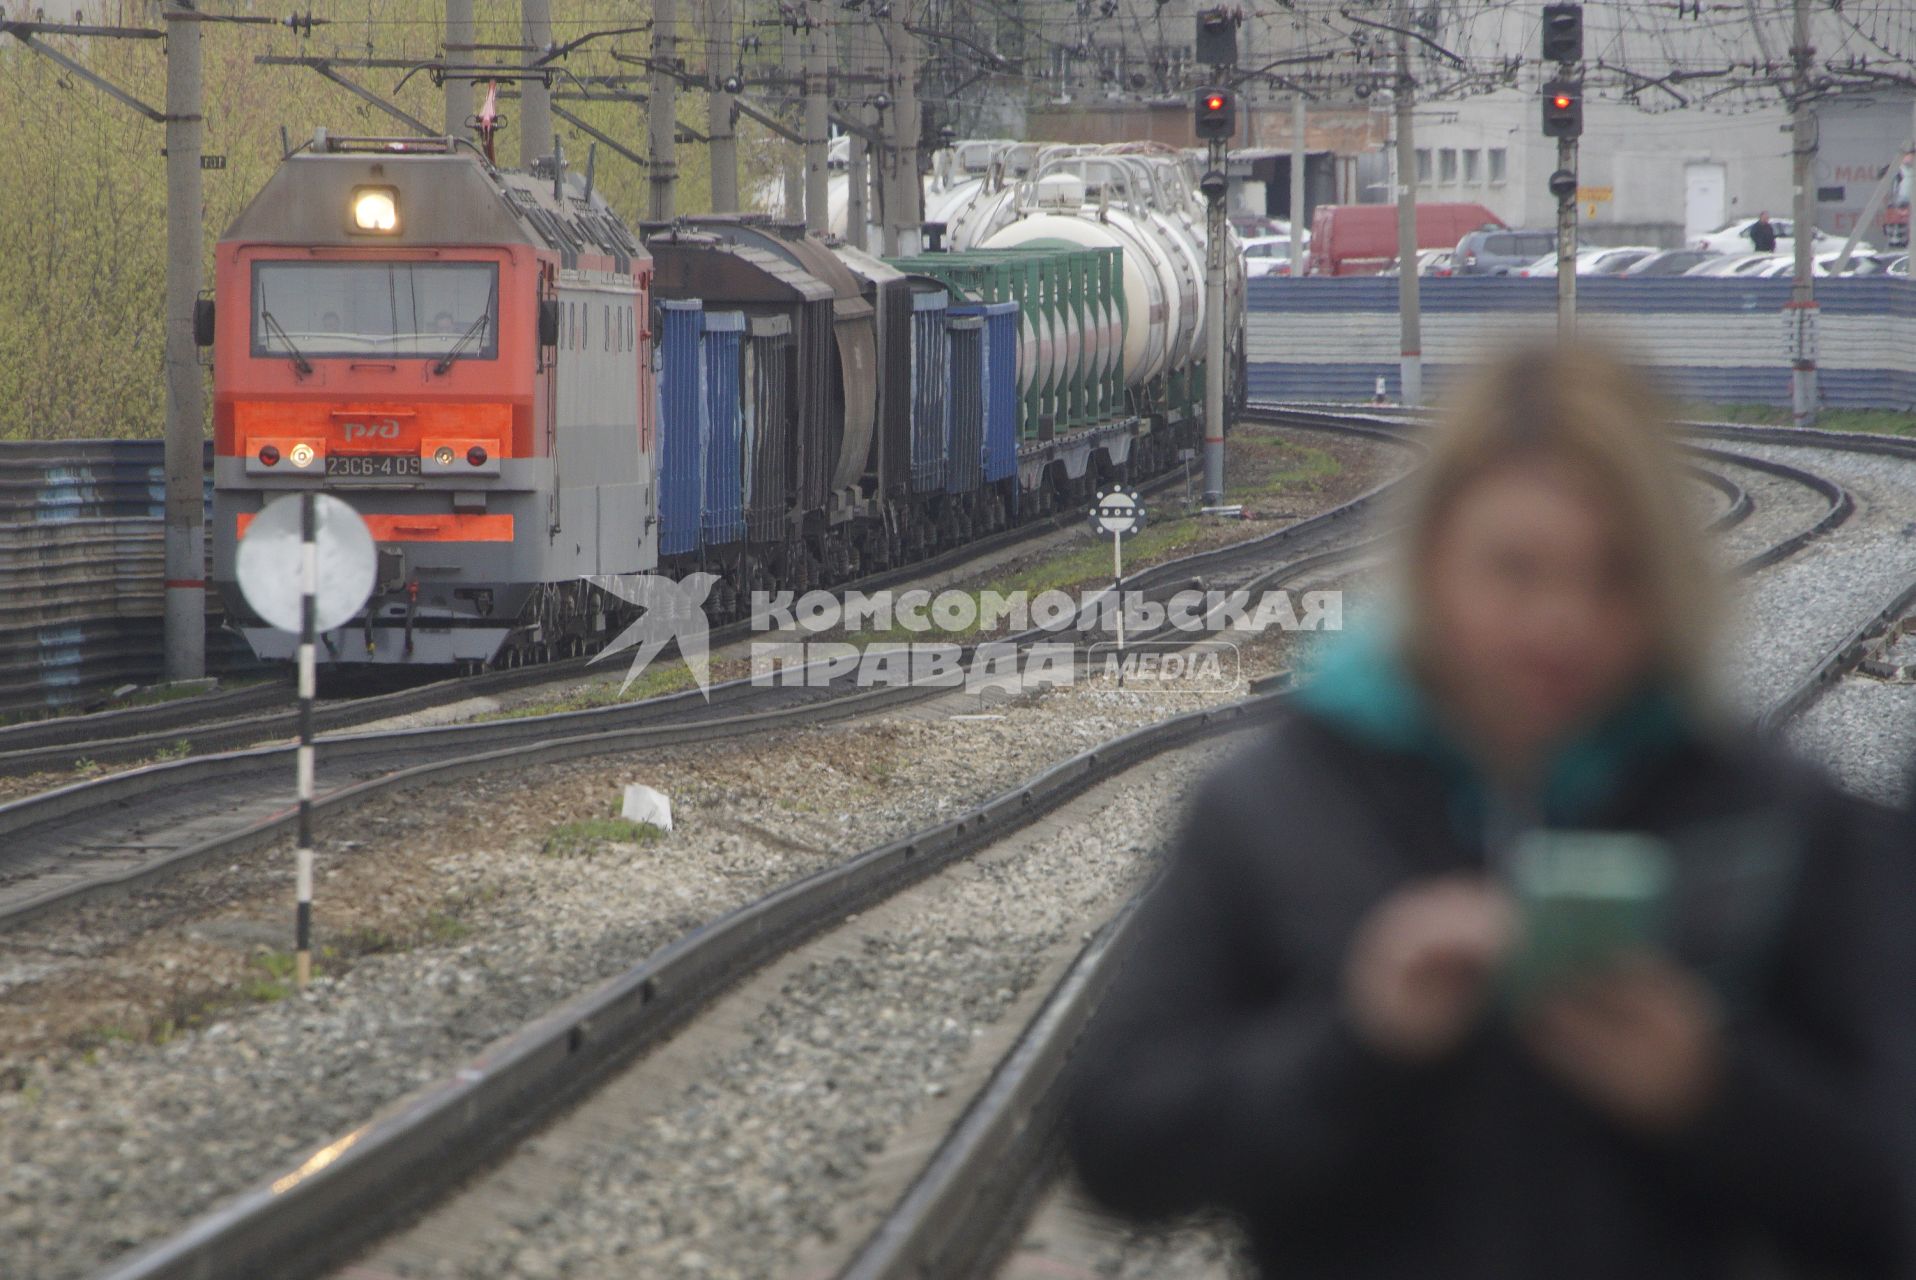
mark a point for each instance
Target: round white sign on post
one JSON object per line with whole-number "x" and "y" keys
{"x": 1117, "y": 514}
{"x": 268, "y": 563}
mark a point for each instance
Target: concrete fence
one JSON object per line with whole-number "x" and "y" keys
{"x": 1714, "y": 340}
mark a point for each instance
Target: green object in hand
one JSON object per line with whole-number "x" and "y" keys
{"x": 1584, "y": 898}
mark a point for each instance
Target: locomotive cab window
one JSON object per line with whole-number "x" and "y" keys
{"x": 376, "y": 309}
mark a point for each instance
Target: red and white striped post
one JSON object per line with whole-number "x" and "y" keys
{"x": 308, "y": 593}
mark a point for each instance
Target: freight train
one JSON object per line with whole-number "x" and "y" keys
{"x": 520, "y": 395}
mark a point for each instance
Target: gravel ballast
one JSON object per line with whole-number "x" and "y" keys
{"x": 107, "y": 1147}
{"x": 1788, "y": 616}
{"x": 771, "y": 1152}
{"x": 105, "y": 1150}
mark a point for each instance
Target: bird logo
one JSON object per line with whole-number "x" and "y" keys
{"x": 671, "y": 609}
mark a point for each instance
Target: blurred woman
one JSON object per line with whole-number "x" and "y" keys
{"x": 1320, "y": 1028}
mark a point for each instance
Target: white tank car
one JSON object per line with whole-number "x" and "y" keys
{"x": 1142, "y": 200}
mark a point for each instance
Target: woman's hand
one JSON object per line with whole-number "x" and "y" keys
{"x": 1640, "y": 1043}
{"x": 1418, "y": 968}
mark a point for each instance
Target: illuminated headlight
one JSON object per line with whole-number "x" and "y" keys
{"x": 302, "y": 455}
{"x": 376, "y": 210}
{"x": 443, "y": 455}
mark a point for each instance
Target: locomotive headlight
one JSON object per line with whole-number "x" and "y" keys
{"x": 443, "y": 455}
{"x": 376, "y": 210}
{"x": 302, "y": 455}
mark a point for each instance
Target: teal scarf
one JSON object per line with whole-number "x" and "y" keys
{"x": 1363, "y": 688}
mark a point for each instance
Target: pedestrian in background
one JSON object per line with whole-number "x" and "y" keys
{"x": 1347, "y": 1019}
{"x": 1762, "y": 234}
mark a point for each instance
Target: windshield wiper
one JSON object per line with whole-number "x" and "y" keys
{"x": 301, "y": 364}
{"x": 476, "y": 327}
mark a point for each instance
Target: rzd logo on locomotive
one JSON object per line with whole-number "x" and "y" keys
{"x": 380, "y": 429}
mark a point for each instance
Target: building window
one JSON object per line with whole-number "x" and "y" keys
{"x": 1423, "y": 164}
{"x": 1472, "y": 170}
{"x": 1496, "y": 164}
{"x": 1446, "y": 164}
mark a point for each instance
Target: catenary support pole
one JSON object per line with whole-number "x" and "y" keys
{"x": 817, "y": 129}
{"x": 1411, "y": 341}
{"x": 185, "y": 554}
{"x": 535, "y": 99}
{"x": 907, "y": 205}
{"x": 458, "y": 48}
{"x": 721, "y": 120}
{"x": 1803, "y": 389}
{"x": 858, "y": 168}
{"x": 1300, "y": 161}
{"x": 662, "y": 115}
{"x": 791, "y": 60}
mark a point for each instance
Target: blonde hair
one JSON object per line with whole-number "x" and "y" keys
{"x": 1587, "y": 407}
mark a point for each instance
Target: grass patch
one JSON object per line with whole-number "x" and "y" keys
{"x": 268, "y": 978}
{"x": 658, "y": 679}
{"x": 436, "y": 929}
{"x": 274, "y": 981}
{"x": 586, "y": 837}
{"x": 1893, "y": 422}
{"x": 442, "y": 927}
{"x": 1275, "y": 468}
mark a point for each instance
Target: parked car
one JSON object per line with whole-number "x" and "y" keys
{"x": 1430, "y": 262}
{"x": 1361, "y": 239}
{"x": 1268, "y": 256}
{"x": 1735, "y": 238}
{"x": 1591, "y": 262}
{"x": 1669, "y": 262}
{"x": 1860, "y": 264}
{"x": 1733, "y": 264}
{"x": 1614, "y": 262}
{"x": 1257, "y": 226}
{"x": 1489, "y": 251}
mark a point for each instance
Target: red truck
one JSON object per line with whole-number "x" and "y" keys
{"x": 1361, "y": 239}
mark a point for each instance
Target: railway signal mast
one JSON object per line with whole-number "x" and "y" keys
{"x": 1563, "y": 120}
{"x": 1215, "y": 122}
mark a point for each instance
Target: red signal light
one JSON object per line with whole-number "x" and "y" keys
{"x": 476, "y": 456}
{"x": 1216, "y": 114}
{"x": 269, "y": 455}
{"x": 1561, "y": 101}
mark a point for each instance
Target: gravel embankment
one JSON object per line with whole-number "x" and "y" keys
{"x": 108, "y": 1141}
{"x": 105, "y": 1150}
{"x": 1791, "y": 614}
{"x": 767, "y": 1154}
{"x": 1864, "y": 732}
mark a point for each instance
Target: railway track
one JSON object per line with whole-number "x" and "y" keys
{"x": 229, "y": 719}
{"x": 127, "y": 829}
{"x": 957, "y": 1218}
{"x": 986, "y": 1170}
{"x": 424, "y": 1147}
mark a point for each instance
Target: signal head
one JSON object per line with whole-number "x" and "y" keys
{"x": 1563, "y": 109}
{"x": 1216, "y": 118}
